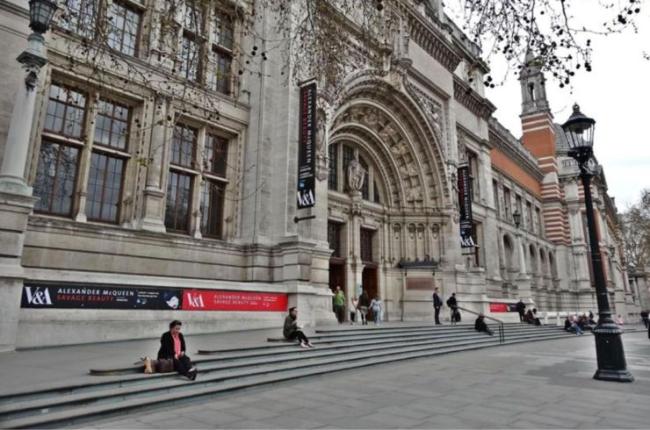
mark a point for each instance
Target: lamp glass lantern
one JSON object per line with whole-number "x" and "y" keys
{"x": 41, "y": 13}
{"x": 579, "y": 131}
{"x": 516, "y": 217}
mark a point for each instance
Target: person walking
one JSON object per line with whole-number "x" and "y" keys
{"x": 354, "y": 309}
{"x": 339, "y": 305}
{"x": 481, "y": 326}
{"x": 364, "y": 304}
{"x": 377, "y": 308}
{"x": 644, "y": 318}
{"x": 452, "y": 304}
{"x": 521, "y": 309}
{"x": 172, "y": 347}
{"x": 292, "y": 331}
{"x": 437, "y": 304}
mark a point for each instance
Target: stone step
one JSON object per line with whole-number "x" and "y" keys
{"x": 162, "y": 393}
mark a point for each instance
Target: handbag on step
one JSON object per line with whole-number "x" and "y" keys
{"x": 164, "y": 365}
{"x": 148, "y": 364}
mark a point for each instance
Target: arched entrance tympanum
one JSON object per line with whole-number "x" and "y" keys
{"x": 385, "y": 172}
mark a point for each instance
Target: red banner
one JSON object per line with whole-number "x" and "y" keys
{"x": 503, "y": 307}
{"x": 214, "y": 300}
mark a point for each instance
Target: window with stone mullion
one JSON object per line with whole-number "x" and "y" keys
{"x": 333, "y": 178}
{"x": 212, "y": 205}
{"x": 365, "y": 187}
{"x": 178, "y": 205}
{"x": 123, "y": 27}
{"x": 221, "y": 52}
{"x": 79, "y": 16}
{"x": 183, "y": 146}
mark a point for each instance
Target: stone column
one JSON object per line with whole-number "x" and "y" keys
{"x": 523, "y": 279}
{"x": 154, "y": 195}
{"x": 16, "y": 201}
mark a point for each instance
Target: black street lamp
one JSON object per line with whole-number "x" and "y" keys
{"x": 579, "y": 132}
{"x": 516, "y": 217}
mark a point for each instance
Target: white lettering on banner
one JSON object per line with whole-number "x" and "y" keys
{"x": 195, "y": 301}
{"x": 38, "y": 296}
{"x": 306, "y": 198}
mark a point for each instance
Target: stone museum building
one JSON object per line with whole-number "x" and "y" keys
{"x": 156, "y": 186}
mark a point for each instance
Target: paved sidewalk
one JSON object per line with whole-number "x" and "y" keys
{"x": 538, "y": 385}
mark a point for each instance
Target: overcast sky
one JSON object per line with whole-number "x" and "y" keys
{"x": 616, "y": 94}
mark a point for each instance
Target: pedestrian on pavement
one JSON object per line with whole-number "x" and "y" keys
{"x": 481, "y": 326}
{"x": 644, "y": 318}
{"x": 452, "y": 304}
{"x": 576, "y": 327}
{"x": 364, "y": 304}
{"x": 172, "y": 347}
{"x": 339, "y": 305}
{"x": 354, "y": 309}
{"x": 521, "y": 309}
{"x": 377, "y": 308}
{"x": 437, "y": 304}
{"x": 292, "y": 331}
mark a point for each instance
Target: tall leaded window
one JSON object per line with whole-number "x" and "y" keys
{"x": 376, "y": 196}
{"x": 333, "y": 180}
{"x": 123, "y": 28}
{"x": 334, "y": 238}
{"x": 179, "y": 193}
{"x": 216, "y": 153}
{"x": 108, "y": 161}
{"x": 221, "y": 52}
{"x": 79, "y": 17}
{"x": 183, "y": 144}
{"x": 366, "y": 244}
{"x": 212, "y": 202}
{"x": 472, "y": 161}
{"x": 529, "y": 217}
{"x": 55, "y": 178}
{"x": 495, "y": 193}
{"x": 189, "y": 58}
{"x": 58, "y": 159}
{"x": 365, "y": 187}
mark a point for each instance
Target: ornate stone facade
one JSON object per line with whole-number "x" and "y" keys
{"x": 208, "y": 200}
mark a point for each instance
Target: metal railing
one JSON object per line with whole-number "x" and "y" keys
{"x": 502, "y": 335}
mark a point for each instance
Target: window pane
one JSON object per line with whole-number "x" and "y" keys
{"x": 123, "y": 28}
{"x": 189, "y": 59}
{"x": 65, "y": 111}
{"x": 79, "y": 17}
{"x": 212, "y": 197}
{"x": 219, "y": 72}
{"x": 216, "y": 155}
{"x": 222, "y": 30}
{"x": 365, "y": 187}
{"x": 178, "y": 202}
{"x": 183, "y": 146}
{"x": 111, "y": 125}
{"x": 104, "y": 187}
{"x": 332, "y": 181}
{"x": 55, "y": 178}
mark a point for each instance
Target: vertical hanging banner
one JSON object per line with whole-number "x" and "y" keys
{"x": 465, "y": 207}
{"x": 306, "y": 192}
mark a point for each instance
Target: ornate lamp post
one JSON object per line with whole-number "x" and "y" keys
{"x": 516, "y": 217}
{"x": 579, "y": 132}
{"x": 32, "y": 59}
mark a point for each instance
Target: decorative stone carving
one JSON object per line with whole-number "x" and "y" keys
{"x": 356, "y": 175}
{"x": 431, "y": 107}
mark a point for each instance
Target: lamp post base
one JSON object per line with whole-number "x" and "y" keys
{"x": 609, "y": 352}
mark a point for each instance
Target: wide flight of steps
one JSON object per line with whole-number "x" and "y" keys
{"x": 221, "y": 371}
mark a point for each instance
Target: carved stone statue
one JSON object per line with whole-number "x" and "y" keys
{"x": 321, "y": 135}
{"x": 356, "y": 175}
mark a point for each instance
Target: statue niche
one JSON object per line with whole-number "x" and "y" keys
{"x": 356, "y": 176}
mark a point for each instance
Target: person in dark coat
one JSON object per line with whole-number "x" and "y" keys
{"x": 521, "y": 309}
{"x": 172, "y": 347}
{"x": 292, "y": 330}
{"x": 481, "y": 326}
{"x": 437, "y": 304}
{"x": 644, "y": 318}
{"x": 452, "y": 303}
{"x": 364, "y": 305}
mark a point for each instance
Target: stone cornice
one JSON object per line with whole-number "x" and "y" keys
{"x": 508, "y": 144}
{"x": 14, "y": 8}
{"x": 469, "y": 98}
{"x": 423, "y": 32}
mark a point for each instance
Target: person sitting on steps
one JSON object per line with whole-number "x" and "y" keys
{"x": 481, "y": 326}
{"x": 452, "y": 303}
{"x": 292, "y": 331}
{"x": 172, "y": 347}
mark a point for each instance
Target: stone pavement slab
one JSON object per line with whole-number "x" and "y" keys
{"x": 537, "y": 385}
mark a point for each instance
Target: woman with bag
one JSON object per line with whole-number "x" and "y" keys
{"x": 171, "y": 355}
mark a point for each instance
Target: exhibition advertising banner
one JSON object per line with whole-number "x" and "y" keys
{"x": 214, "y": 300}
{"x": 503, "y": 307}
{"x": 37, "y": 295}
{"x": 306, "y": 192}
{"x": 465, "y": 207}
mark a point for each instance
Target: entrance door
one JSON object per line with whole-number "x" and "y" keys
{"x": 337, "y": 274}
{"x": 369, "y": 283}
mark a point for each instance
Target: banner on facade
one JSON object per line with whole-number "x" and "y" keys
{"x": 214, "y": 300}
{"x": 306, "y": 192}
{"x": 503, "y": 307}
{"x": 36, "y": 295}
{"x": 465, "y": 207}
